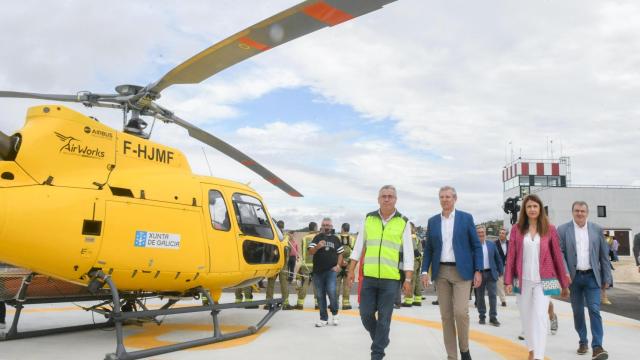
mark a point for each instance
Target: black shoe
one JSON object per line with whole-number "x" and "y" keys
{"x": 316, "y": 307}
{"x": 465, "y": 355}
{"x": 396, "y": 306}
{"x": 435, "y": 302}
{"x": 407, "y": 305}
{"x": 287, "y": 307}
{"x": 494, "y": 322}
{"x": 482, "y": 321}
{"x": 346, "y": 307}
{"x": 267, "y": 307}
{"x": 504, "y": 303}
{"x": 298, "y": 307}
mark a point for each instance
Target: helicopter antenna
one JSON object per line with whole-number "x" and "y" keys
{"x": 207, "y": 160}
{"x": 152, "y": 124}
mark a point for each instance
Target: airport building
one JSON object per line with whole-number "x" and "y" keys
{"x": 615, "y": 208}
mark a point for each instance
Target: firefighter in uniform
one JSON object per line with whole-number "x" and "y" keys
{"x": 416, "y": 295}
{"x": 304, "y": 274}
{"x": 282, "y": 275}
{"x": 347, "y": 240}
{"x": 248, "y": 295}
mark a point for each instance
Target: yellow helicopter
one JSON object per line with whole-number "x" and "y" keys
{"x": 123, "y": 217}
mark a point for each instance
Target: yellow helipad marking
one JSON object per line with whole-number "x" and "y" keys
{"x": 505, "y": 348}
{"x": 151, "y": 335}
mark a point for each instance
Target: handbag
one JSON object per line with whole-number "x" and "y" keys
{"x": 550, "y": 287}
{"x": 516, "y": 286}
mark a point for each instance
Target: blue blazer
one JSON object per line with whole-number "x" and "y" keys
{"x": 495, "y": 260}
{"x": 466, "y": 246}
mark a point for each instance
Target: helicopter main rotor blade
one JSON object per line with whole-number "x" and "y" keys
{"x": 27, "y": 95}
{"x": 299, "y": 20}
{"x": 220, "y": 145}
{"x": 84, "y": 97}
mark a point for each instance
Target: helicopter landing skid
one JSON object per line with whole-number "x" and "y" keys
{"x": 19, "y": 303}
{"x": 118, "y": 318}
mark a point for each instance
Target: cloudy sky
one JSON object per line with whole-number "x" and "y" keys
{"x": 419, "y": 94}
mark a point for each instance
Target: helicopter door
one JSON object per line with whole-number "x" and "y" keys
{"x": 255, "y": 228}
{"x": 222, "y": 241}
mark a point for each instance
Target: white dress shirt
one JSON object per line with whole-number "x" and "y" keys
{"x": 407, "y": 244}
{"x": 485, "y": 255}
{"x": 531, "y": 258}
{"x": 447, "y": 254}
{"x": 503, "y": 244}
{"x": 582, "y": 246}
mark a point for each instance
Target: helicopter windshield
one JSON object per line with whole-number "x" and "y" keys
{"x": 252, "y": 218}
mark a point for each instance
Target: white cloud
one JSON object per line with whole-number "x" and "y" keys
{"x": 455, "y": 80}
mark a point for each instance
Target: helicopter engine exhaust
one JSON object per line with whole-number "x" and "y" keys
{"x": 5, "y": 146}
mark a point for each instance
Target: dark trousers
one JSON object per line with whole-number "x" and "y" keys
{"x": 3, "y": 311}
{"x": 291, "y": 267}
{"x": 585, "y": 291}
{"x": 491, "y": 287}
{"x": 377, "y": 296}
{"x": 325, "y": 283}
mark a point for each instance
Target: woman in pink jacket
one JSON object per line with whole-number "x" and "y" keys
{"x": 534, "y": 271}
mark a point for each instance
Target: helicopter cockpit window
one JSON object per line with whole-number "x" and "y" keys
{"x": 252, "y": 218}
{"x": 218, "y": 211}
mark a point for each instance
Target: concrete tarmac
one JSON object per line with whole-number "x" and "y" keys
{"x": 415, "y": 334}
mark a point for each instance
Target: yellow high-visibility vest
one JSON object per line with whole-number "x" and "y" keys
{"x": 383, "y": 244}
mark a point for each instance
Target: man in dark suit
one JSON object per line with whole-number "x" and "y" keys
{"x": 455, "y": 255}
{"x": 493, "y": 270}
{"x": 502, "y": 246}
{"x": 586, "y": 256}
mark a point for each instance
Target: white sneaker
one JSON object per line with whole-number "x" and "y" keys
{"x": 2, "y": 326}
{"x": 322, "y": 323}
{"x": 335, "y": 320}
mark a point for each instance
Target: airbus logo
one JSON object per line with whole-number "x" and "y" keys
{"x": 98, "y": 133}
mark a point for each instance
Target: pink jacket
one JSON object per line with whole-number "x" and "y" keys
{"x": 551, "y": 259}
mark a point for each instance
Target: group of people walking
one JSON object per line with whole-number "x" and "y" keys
{"x": 536, "y": 262}
{"x": 540, "y": 262}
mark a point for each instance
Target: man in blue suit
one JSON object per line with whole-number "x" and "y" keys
{"x": 454, "y": 253}
{"x": 586, "y": 255}
{"x": 493, "y": 269}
